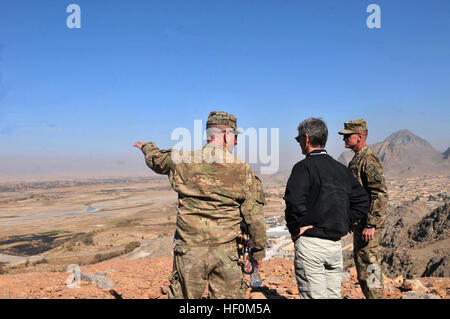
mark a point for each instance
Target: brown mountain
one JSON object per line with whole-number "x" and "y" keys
{"x": 406, "y": 154}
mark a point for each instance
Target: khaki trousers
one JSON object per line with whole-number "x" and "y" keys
{"x": 318, "y": 268}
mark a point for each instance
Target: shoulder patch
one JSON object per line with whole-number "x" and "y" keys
{"x": 378, "y": 178}
{"x": 374, "y": 172}
{"x": 371, "y": 170}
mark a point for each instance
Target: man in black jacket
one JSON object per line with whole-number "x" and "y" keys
{"x": 323, "y": 199}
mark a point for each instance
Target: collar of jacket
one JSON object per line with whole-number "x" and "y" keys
{"x": 318, "y": 152}
{"x": 363, "y": 150}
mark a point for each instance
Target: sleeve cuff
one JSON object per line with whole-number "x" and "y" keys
{"x": 372, "y": 221}
{"x": 143, "y": 149}
{"x": 295, "y": 232}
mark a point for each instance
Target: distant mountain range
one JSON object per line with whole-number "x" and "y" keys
{"x": 406, "y": 154}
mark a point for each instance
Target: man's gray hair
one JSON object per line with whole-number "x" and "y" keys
{"x": 316, "y": 129}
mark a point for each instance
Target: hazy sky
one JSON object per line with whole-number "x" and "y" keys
{"x": 136, "y": 70}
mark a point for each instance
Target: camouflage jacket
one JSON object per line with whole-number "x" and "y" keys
{"x": 216, "y": 191}
{"x": 368, "y": 170}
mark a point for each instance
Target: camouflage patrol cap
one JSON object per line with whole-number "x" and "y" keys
{"x": 222, "y": 118}
{"x": 356, "y": 126}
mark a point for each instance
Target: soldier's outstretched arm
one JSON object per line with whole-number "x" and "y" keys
{"x": 376, "y": 186}
{"x": 252, "y": 212}
{"x": 160, "y": 161}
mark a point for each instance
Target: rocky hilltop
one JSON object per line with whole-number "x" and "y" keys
{"x": 147, "y": 278}
{"x": 406, "y": 154}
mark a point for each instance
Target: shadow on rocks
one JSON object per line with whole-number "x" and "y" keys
{"x": 267, "y": 292}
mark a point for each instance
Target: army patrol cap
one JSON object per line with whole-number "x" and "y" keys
{"x": 352, "y": 127}
{"x": 223, "y": 118}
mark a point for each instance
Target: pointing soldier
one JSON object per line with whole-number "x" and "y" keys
{"x": 216, "y": 192}
{"x": 367, "y": 168}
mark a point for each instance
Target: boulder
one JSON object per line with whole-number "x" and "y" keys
{"x": 412, "y": 285}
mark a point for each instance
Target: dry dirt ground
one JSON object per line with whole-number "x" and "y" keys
{"x": 73, "y": 224}
{"x": 47, "y": 226}
{"x": 148, "y": 279}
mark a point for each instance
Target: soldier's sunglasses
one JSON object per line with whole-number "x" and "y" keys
{"x": 233, "y": 131}
{"x": 346, "y": 136}
{"x": 297, "y": 138}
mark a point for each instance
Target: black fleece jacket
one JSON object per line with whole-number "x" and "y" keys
{"x": 323, "y": 192}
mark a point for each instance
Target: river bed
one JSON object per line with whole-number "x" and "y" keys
{"x": 89, "y": 209}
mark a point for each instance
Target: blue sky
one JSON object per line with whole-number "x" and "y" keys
{"x": 138, "y": 69}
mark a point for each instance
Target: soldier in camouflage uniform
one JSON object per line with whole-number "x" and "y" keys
{"x": 367, "y": 168}
{"x": 216, "y": 191}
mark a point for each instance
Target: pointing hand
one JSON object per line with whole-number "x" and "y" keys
{"x": 139, "y": 145}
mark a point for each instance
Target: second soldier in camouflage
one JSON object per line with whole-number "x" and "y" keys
{"x": 367, "y": 168}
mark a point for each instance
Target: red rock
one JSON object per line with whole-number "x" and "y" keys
{"x": 412, "y": 285}
{"x": 398, "y": 280}
{"x": 257, "y": 295}
{"x": 292, "y": 291}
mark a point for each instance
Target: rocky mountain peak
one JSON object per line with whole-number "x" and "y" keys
{"x": 405, "y": 137}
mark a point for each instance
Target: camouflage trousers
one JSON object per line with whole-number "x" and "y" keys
{"x": 367, "y": 256}
{"x": 217, "y": 267}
